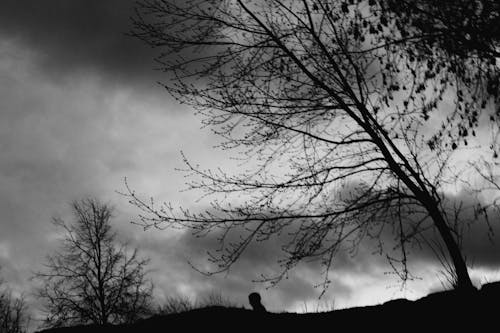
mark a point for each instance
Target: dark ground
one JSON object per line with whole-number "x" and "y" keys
{"x": 444, "y": 311}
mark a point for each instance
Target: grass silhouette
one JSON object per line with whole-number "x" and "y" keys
{"x": 179, "y": 304}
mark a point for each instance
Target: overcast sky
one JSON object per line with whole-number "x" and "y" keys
{"x": 80, "y": 110}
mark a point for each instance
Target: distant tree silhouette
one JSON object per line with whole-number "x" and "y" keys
{"x": 339, "y": 113}
{"x": 13, "y": 311}
{"x": 93, "y": 278}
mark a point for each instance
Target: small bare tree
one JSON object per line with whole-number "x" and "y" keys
{"x": 13, "y": 312}
{"x": 93, "y": 278}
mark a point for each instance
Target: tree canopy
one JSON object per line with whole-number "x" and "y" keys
{"x": 14, "y": 317}
{"x": 93, "y": 278}
{"x": 339, "y": 112}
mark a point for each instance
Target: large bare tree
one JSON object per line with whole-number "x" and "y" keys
{"x": 93, "y": 278}
{"x": 337, "y": 115}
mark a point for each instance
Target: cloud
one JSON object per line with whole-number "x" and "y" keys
{"x": 61, "y": 142}
{"x": 79, "y": 36}
{"x": 64, "y": 141}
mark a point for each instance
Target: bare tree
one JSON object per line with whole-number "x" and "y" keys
{"x": 13, "y": 312}
{"x": 93, "y": 278}
{"x": 336, "y": 120}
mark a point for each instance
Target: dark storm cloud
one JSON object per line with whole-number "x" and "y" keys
{"x": 79, "y": 36}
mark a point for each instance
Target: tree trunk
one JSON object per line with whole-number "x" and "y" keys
{"x": 463, "y": 281}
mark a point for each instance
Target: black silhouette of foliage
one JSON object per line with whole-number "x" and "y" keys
{"x": 460, "y": 29}
{"x": 13, "y": 312}
{"x": 336, "y": 110}
{"x": 458, "y": 43}
{"x": 93, "y": 279}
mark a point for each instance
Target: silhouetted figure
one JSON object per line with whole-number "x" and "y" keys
{"x": 254, "y": 299}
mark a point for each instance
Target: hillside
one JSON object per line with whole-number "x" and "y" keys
{"x": 446, "y": 311}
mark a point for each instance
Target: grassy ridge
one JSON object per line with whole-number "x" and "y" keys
{"x": 444, "y": 311}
